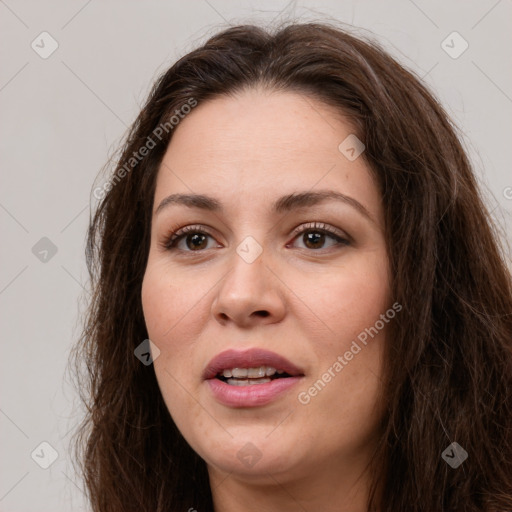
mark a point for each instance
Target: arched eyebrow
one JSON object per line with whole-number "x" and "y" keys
{"x": 284, "y": 204}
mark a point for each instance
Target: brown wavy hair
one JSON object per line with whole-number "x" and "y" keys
{"x": 448, "y": 361}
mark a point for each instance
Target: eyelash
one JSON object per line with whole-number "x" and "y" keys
{"x": 173, "y": 238}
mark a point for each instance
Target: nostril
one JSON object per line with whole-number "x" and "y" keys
{"x": 262, "y": 313}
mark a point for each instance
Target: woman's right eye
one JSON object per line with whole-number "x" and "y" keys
{"x": 191, "y": 238}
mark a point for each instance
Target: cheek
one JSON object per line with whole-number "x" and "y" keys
{"x": 350, "y": 302}
{"x": 165, "y": 308}
{"x": 352, "y": 298}
{"x": 175, "y": 312}
{"x": 166, "y": 304}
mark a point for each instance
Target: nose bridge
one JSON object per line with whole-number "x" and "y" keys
{"x": 249, "y": 286}
{"x": 247, "y": 274}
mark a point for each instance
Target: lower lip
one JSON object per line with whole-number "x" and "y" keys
{"x": 250, "y": 396}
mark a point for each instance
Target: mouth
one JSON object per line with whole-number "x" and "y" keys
{"x": 250, "y": 378}
{"x": 256, "y": 366}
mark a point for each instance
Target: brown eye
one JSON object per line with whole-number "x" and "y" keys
{"x": 188, "y": 239}
{"x": 315, "y": 236}
{"x": 314, "y": 240}
{"x": 195, "y": 241}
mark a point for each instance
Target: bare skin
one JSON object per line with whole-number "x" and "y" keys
{"x": 307, "y": 301}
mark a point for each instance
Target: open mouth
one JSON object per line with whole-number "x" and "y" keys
{"x": 251, "y": 376}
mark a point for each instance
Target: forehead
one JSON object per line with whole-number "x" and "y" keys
{"x": 261, "y": 144}
{"x": 256, "y": 123}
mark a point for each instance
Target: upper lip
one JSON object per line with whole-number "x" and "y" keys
{"x": 251, "y": 358}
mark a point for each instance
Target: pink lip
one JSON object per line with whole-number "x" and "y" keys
{"x": 257, "y": 394}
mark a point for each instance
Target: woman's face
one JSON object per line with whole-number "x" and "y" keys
{"x": 258, "y": 270}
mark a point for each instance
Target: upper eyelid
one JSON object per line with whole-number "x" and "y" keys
{"x": 320, "y": 226}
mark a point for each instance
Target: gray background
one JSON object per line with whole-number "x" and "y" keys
{"x": 62, "y": 117}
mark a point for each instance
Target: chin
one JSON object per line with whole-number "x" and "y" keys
{"x": 254, "y": 456}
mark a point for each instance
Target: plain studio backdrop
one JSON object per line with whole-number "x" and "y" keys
{"x": 73, "y": 77}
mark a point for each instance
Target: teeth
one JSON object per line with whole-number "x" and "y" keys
{"x": 256, "y": 373}
{"x": 259, "y": 381}
{"x": 238, "y": 382}
{"x": 251, "y": 373}
{"x": 247, "y": 382}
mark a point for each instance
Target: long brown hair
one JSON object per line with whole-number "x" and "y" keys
{"x": 448, "y": 363}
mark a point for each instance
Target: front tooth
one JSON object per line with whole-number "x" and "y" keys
{"x": 258, "y": 381}
{"x": 270, "y": 371}
{"x": 227, "y": 373}
{"x": 238, "y": 382}
{"x": 239, "y": 372}
{"x": 256, "y": 373}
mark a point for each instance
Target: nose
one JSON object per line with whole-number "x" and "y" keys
{"x": 249, "y": 294}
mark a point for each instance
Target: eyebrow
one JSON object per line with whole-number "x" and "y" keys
{"x": 284, "y": 204}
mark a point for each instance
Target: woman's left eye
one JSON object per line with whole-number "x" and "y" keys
{"x": 313, "y": 235}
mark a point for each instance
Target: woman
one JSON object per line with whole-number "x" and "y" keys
{"x": 295, "y": 226}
